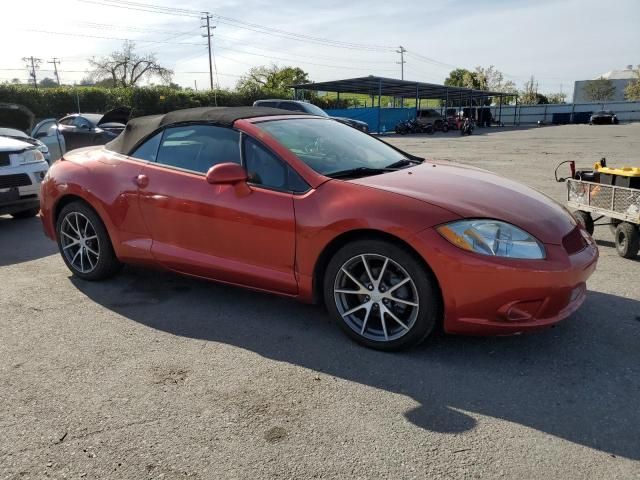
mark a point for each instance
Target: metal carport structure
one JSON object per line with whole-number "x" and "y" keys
{"x": 390, "y": 87}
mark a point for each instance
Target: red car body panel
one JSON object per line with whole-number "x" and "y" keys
{"x": 272, "y": 241}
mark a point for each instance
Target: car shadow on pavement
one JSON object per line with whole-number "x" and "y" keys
{"x": 578, "y": 381}
{"x": 24, "y": 239}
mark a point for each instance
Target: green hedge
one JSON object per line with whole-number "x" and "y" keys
{"x": 57, "y": 102}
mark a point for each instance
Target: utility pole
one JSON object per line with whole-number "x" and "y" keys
{"x": 208, "y": 18}
{"x": 32, "y": 65}
{"x": 55, "y": 62}
{"x": 402, "y": 61}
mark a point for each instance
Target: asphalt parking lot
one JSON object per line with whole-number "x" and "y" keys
{"x": 152, "y": 375}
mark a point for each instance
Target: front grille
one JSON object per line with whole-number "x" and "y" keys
{"x": 18, "y": 180}
{"x": 5, "y": 161}
{"x": 574, "y": 241}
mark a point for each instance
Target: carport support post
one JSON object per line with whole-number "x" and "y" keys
{"x": 500, "y": 114}
{"x": 379, "y": 100}
{"x": 417, "y": 97}
{"x": 515, "y": 111}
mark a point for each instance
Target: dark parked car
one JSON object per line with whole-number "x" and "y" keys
{"x": 297, "y": 106}
{"x": 86, "y": 129}
{"x": 603, "y": 117}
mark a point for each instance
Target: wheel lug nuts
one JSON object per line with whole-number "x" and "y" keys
{"x": 370, "y": 287}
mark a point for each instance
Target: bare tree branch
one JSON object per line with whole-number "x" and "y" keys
{"x": 127, "y": 68}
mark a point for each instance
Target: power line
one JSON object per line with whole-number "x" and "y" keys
{"x": 255, "y": 27}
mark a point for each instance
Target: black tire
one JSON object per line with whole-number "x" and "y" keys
{"x": 426, "y": 292}
{"x": 613, "y": 225}
{"x": 627, "y": 240}
{"x": 107, "y": 263}
{"x": 32, "y": 212}
{"x": 585, "y": 219}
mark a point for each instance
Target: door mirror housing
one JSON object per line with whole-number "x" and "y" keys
{"x": 226, "y": 173}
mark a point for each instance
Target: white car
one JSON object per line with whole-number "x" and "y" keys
{"x": 22, "y": 169}
{"x": 16, "y": 121}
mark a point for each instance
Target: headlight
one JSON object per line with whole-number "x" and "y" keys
{"x": 30, "y": 156}
{"x": 43, "y": 148}
{"x": 492, "y": 237}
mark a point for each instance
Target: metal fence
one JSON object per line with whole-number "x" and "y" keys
{"x": 508, "y": 114}
{"x": 565, "y": 112}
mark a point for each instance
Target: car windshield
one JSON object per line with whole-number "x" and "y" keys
{"x": 330, "y": 148}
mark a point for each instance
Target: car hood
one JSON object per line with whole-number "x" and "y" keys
{"x": 16, "y": 116}
{"x": 12, "y": 145}
{"x": 475, "y": 193}
{"x": 117, "y": 115}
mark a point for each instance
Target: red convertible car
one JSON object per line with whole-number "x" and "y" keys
{"x": 306, "y": 207}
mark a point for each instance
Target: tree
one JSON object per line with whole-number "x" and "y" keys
{"x": 632, "y": 90}
{"x": 493, "y": 79}
{"x": 529, "y": 95}
{"x": 47, "y": 83}
{"x": 557, "y": 97}
{"x": 127, "y": 68}
{"x": 599, "y": 90}
{"x": 459, "y": 77}
{"x": 271, "y": 79}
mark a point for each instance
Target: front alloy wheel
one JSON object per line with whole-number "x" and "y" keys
{"x": 84, "y": 242}
{"x": 79, "y": 242}
{"x": 381, "y": 295}
{"x": 376, "y": 297}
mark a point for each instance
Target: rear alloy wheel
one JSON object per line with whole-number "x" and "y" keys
{"x": 380, "y": 295}
{"x": 84, "y": 243}
{"x": 627, "y": 240}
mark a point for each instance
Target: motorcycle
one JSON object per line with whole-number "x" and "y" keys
{"x": 467, "y": 127}
{"x": 413, "y": 126}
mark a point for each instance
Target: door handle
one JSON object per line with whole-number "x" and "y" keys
{"x": 141, "y": 181}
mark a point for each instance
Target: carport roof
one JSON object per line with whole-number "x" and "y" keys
{"x": 391, "y": 87}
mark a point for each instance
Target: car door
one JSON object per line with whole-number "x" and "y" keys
{"x": 48, "y": 133}
{"x": 225, "y": 232}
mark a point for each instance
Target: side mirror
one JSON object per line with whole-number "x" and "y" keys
{"x": 226, "y": 173}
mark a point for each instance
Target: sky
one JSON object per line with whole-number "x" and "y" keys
{"x": 557, "y": 41}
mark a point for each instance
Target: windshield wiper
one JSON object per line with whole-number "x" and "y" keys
{"x": 359, "y": 171}
{"x": 405, "y": 162}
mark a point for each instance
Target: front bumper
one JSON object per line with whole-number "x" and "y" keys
{"x": 20, "y": 186}
{"x": 496, "y": 296}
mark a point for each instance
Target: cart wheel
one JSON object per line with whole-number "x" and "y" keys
{"x": 585, "y": 220}
{"x": 627, "y": 240}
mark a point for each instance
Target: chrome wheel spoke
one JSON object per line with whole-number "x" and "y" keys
{"x": 382, "y": 270}
{"x": 366, "y": 269}
{"x": 354, "y": 280}
{"x": 391, "y": 314}
{"x": 89, "y": 249}
{"x": 366, "y": 319}
{"x": 384, "y": 326}
{"x": 401, "y": 300}
{"x": 399, "y": 284}
{"x": 72, "y": 244}
{"x": 75, "y": 239}
{"x": 355, "y": 309}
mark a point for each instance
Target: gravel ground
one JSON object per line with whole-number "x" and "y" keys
{"x": 151, "y": 375}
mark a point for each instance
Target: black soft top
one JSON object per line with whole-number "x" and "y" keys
{"x": 140, "y": 128}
